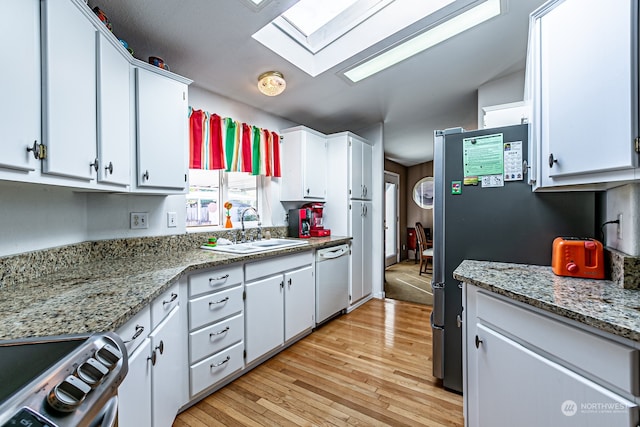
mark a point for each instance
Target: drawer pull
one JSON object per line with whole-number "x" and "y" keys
{"x": 213, "y": 334}
{"x": 173, "y": 298}
{"x": 160, "y": 347}
{"x": 139, "y": 331}
{"x": 478, "y": 342}
{"x": 221, "y": 301}
{"x": 215, "y": 365}
{"x": 153, "y": 358}
{"x": 213, "y": 279}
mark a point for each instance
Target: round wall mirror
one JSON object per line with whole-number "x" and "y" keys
{"x": 423, "y": 193}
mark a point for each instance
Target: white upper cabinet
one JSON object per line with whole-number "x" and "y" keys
{"x": 303, "y": 154}
{"x": 114, "y": 120}
{"x": 361, "y": 175}
{"x": 20, "y": 84}
{"x": 69, "y": 91}
{"x": 583, "y": 84}
{"x": 162, "y": 131}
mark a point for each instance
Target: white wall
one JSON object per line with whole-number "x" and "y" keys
{"x": 34, "y": 217}
{"x": 504, "y": 90}
{"x": 624, "y": 200}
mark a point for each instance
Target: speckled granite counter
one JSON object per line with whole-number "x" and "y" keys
{"x": 102, "y": 294}
{"x": 597, "y": 303}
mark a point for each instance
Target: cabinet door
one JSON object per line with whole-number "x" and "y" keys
{"x": 367, "y": 174}
{"x": 134, "y": 394}
{"x": 356, "y": 189}
{"x": 547, "y": 394}
{"x": 367, "y": 251}
{"x": 114, "y": 129}
{"x": 169, "y": 372}
{"x": 355, "y": 270}
{"x": 264, "y": 316}
{"x": 20, "y": 83}
{"x": 315, "y": 170}
{"x": 299, "y": 302}
{"x": 161, "y": 109}
{"x": 69, "y": 90}
{"x": 588, "y": 87}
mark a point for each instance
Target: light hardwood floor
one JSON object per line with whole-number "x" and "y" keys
{"x": 371, "y": 367}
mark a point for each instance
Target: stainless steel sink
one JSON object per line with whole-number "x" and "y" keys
{"x": 257, "y": 246}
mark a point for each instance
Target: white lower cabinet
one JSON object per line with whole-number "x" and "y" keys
{"x": 279, "y": 304}
{"x": 155, "y": 387}
{"x": 528, "y": 369}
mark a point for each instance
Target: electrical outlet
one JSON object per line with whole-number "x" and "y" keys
{"x": 172, "y": 219}
{"x": 139, "y": 220}
{"x": 619, "y": 233}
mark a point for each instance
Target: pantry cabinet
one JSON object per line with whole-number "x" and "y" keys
{"x": 556, "y": 369}
{"x": 361, "y": 266}
{"x": 582, "y": 85}
{"x": 20, "y": 86}
{"x": 279, "y": 304}
{"x": 162, "y": 132}
{"x": 68, "y": 91}
{"x": 360, "y": 177}
{"x": 303, "y": 154}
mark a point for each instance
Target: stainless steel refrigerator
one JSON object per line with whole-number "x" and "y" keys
{"x": 483, "y": 210}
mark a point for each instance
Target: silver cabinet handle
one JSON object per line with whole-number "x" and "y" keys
{"x": 109, "y": 168}
{"x": 221, "y": 301}
{"x": 215, "y": 365}
{"x": 95, "y": 165}
{"x": 145, "y": 175}
{"x": 281, "y": 285}
{"x": 458, "y": 320}
{"x": 139, "y": 331}
{"x": 289, "y": 282}
{"x": 173, "y": 298}
{"x": 213, "y": 334}
{"x": 213, "y": 279}
{"x": 552, "y": 160}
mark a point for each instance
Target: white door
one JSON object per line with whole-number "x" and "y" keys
{"x": 355, "y": 284}
{"x": 69, "y": 91}
{"x": 391, "y": 218}
{"x": 162, "y": 131}
{"x": 367, "y": 248}
{"x": 134, "y": 394}
{"x": 114, "y": 129}
{"x": 299, "y": 301}
{"x": 356, "y": 189}
{"x": 168, "y": 373}
{"x": 264, "y": 316}
{"x": 20, "y": 84}
{"x": 315, "y": 170}
{"x": 367, "y": 171}
{"x": 547, "y": 394}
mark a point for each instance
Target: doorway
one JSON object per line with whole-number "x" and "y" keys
{"x": 391, "y": 218}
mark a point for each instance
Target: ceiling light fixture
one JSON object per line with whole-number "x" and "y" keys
{"x": 271, "y": 83}
{"x": 430, "y": 38}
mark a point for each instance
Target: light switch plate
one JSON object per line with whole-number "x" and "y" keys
{"x": 139, "y": 220}
{"x": 172, "y": 219}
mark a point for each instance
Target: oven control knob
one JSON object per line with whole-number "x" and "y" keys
{"x": 92, "y": 372}
{"x": 68, "y": 395}
{"x": 109, "y": 356}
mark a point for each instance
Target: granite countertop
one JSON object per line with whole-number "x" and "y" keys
{"x": 104, "y": 294}
{"x": 601, "y": 304}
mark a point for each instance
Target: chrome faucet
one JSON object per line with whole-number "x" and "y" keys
{"x": 243, "y": 233}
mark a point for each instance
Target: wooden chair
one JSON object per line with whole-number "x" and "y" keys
{"x": 425, "y": 249}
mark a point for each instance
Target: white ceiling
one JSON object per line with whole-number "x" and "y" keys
{"x": 210, "y": 42}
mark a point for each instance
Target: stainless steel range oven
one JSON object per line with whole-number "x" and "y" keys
{"x": 61, "y": 381}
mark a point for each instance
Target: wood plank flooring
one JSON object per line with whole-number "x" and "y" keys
{"x": 371, "y": 367}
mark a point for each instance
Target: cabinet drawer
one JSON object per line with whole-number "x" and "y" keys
{"x": 211, "y": 308}
{"x": 214, "y": 338}
{"x": 163, "y": 305}
{"x": 610, "y": 361}
{"x": 215, "y": 368}
{"x": 136, "y": 329}
{"x": 214, "y": 280}
{"x": 267, "y": 267}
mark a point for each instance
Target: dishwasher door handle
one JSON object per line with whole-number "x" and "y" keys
{"x": 332, "y": 254}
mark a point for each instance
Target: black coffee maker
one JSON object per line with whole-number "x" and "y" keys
{"x": 300, "y": 222}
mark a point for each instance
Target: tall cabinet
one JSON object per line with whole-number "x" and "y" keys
{"x": 348, "y": 211}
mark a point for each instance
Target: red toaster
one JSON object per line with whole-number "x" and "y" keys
{"x": 578, "y": 257}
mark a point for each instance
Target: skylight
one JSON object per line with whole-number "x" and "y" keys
{"x": 308, "y": 16}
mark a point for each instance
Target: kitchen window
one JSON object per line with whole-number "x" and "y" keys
{"x": 210, "y": 189}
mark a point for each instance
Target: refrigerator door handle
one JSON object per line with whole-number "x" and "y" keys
{"x": 437, "y": 333}
{"x": 438, "y": 303}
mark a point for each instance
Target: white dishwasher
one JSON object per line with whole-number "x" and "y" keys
{"x": 332, "y": 281}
